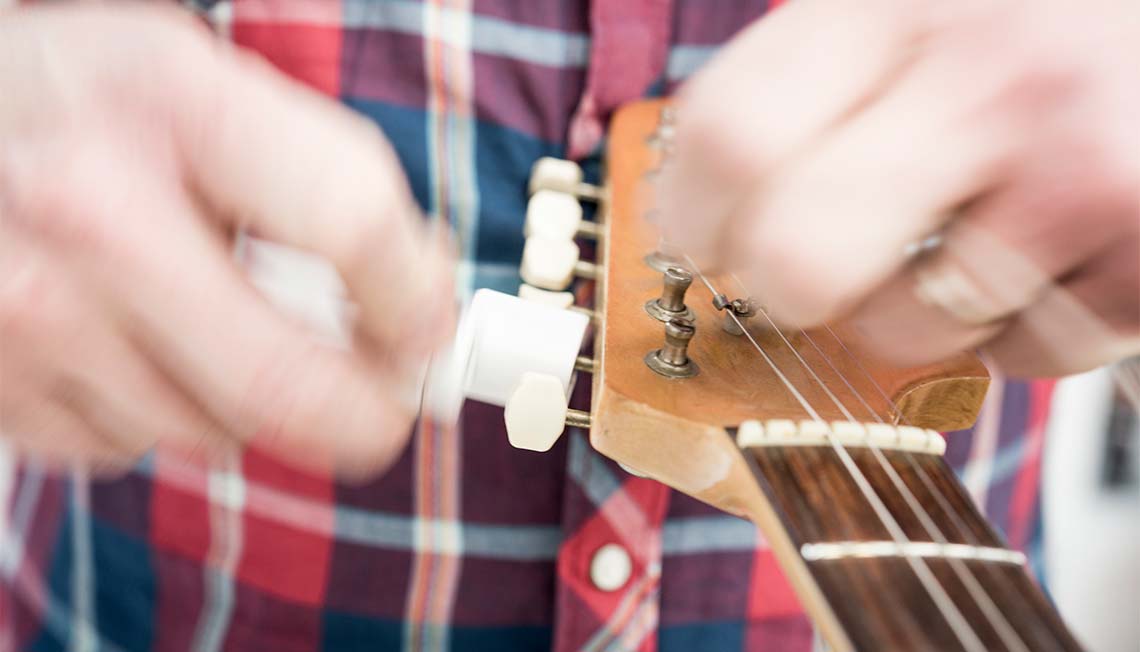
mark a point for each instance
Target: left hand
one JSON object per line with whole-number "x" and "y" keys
{"x": 832, "y": 134}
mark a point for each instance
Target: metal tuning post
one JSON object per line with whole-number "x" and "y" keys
{"x": 662, "y": 137}
{"x": 672, "y": 360}
{"x": 671, "y": 303}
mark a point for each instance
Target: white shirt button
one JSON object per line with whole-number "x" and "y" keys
{"x": 611, "y": 567}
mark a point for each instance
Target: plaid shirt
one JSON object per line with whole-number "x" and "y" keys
{"x": 467, "y": 543}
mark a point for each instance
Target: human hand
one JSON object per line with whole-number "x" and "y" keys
{"x": 135, "y": 148}
{"x": 830, "y": 136}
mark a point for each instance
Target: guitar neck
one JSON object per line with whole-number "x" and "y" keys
{"x": 914, "y": 596}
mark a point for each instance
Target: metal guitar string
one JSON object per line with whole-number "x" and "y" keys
{"x": 1000, "y": 624}
{"x": 923, "y": 476}
{"x": 954, "y": 618}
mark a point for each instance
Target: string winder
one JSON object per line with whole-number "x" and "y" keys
{"x": 834, "y": 454}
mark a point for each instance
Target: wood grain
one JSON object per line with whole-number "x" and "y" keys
{"x": 880, "y": 603}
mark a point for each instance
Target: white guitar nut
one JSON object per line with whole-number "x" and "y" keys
{"x": 550, "y": 173}
{"x": 560, "y": 300}
{"x": 535, "y": 413}
{"x": 554, "y": 215}
{"x": 549, "y": 263}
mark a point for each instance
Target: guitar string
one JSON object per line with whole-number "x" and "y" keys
{"x": 980, "y": 596}
{"x": 961, "y": 629}
{"x": 955, "y": 517}
{"x": 998, "y": 621}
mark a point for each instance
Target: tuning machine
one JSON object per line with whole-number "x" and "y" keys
{"x": 552, "y": 263}
{"x": 671, "y": 303}
{"x": 560, "y": 175}
{"x": 557, "y": 215}
{"x": 521, "y": 355}
{"x": 672, "y": 360}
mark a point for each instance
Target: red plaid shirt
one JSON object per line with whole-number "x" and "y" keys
{"x": 467, "y": 543}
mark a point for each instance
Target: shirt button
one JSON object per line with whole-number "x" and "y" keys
{"x": 611, "y": 567}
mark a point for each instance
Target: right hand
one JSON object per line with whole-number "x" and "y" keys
{"x": 134, "y": 147}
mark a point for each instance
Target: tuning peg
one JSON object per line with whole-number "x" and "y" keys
{"x": 672, "y": 360}
{"x": 671, "y": 303}
{"x": 536, "y": 412}
{"x": 557, "y": 215}
{"x": 550, "y": 173}
{"x": 551, "y": 263}
{"x": 500, "y": 338}
{"x": 562, "y": 300}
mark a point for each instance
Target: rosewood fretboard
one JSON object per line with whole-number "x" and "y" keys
{"x": 879, "y": 601}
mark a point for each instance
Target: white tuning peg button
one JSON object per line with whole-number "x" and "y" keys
{"x": 551, "y": 263}
{"x": 500, "y": 338}
{"x": 535, "y": 413}
{"x": 550, "y": 173}
{"x": 552, "y": 214}
{"x": 562, "y": 300}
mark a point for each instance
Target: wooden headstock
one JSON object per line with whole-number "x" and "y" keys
{"x": 872, "y": 528}
{"x": 676, "y": 430}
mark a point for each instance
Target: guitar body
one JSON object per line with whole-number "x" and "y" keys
{"x": 732, "y": 436}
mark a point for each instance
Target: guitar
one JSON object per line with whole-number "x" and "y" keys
{"x": 835, "y": 455}
{"x": 832, "y": 453}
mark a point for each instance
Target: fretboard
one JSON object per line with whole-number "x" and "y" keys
{"x": 949, "y": 584}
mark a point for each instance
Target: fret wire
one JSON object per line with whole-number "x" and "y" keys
{"x": 958, "y": 624}
{"x": 1001, "y": 624}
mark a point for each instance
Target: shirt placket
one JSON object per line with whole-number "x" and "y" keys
{"x": 609, "y": 564}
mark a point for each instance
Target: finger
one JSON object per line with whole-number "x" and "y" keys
{"x": 123, "y": 396}
{"x": 52, "y": 433}
{"x": 834, "y": 224}
{"x": 266, "y": 379}
{"x": 995, "y": 261}
{"x": 291, "y": 166}
{"x": 775, "y": 88}
{"x": 1091, "y": 319}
